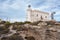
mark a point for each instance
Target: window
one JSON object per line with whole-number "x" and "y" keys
{"x": 37, "y": 14}
{"x": 41, "y": 17}
{"x": 45, "y": 16}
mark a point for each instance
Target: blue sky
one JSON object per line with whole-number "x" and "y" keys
{"x": 15, "y": 10}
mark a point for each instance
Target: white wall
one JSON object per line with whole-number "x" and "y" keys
{"x": 36, "y": 15}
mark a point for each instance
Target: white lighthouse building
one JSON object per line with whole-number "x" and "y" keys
{"x": 36, "y": 15}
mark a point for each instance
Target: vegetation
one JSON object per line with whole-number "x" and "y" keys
{"x": 0, "y": 20}
{"x": 16, "y": 37}
{"x": 50, "y": 22}
{"x": 4, "y": 30}
{"x": 20, "y": 28}
{"x": 3, "y": 22}
{"x": 13, "y": 37}
{"x": 14, "y": 28}
{"x": 27, "y": 22}
{"x": 35, "y": 23}
{"x": 7, "y": 24}
{"x": 19, "y": 23}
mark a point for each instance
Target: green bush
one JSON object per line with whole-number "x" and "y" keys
{"x": 16, "y": 37}
{"x": 22, "y": 29}
{"x": 27, "y": 22}
{"x": 19, "y": 23}
{"x": 13, "y": 37}
{"x": 7, "y": 24}
{"x": 4, "y": 30}
{"x": 5, "y": 38}
{"x": 35, "y": 23}
{"x": 14, "y": 28}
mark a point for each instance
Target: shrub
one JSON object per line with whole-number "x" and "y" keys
{"x": 5, "y": 38}
{"x": 16, "y": 37}
{"x": 13, "y": 37}
{"x": 14, "y": 28}
{"x": 4, "y": 30}
{"x": 7, "y": 24}
{"x": 19, "y": 23}
{"x": 22, "y": 29}
{"x": 27, "y": 22}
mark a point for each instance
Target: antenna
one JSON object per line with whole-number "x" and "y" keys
{"x": 52, "y": 15}
{"x": 29, "y": 6}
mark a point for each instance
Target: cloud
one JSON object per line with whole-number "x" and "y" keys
{"x": 2, "y": 1}
{"x": 16, "y": 9}
{"x": 17, "y": 20}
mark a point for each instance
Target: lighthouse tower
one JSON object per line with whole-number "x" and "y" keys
{"x": 29, "y": 13}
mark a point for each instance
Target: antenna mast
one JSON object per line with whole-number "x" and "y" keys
{"x": 52, "y": 15}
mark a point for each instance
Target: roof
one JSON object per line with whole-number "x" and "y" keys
{"x": 41, "y": 11}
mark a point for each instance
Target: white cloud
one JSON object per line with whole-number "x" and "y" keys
{"x": 17, "y": 20}
{"x": 57, "y": 13}
{"x": 15, "y": 6}
{"x": 10, "y": 6}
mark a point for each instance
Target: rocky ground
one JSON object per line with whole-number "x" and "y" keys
{"x": 40, "y": 31}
